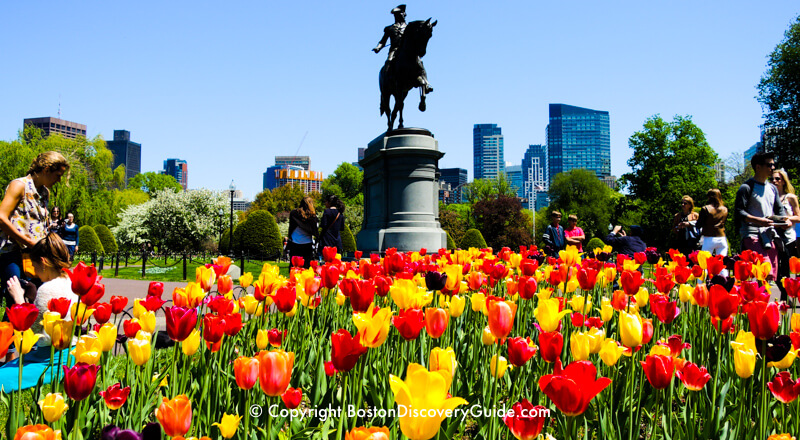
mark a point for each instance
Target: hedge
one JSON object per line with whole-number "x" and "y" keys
{"x": 259, "y": 235}
{"x": 593, "y": 244}
{"x": 451, "y": 244}
{"x": 473, "y": 239}
{"x": 348, "y": 241}
{"x": 106, "y": 239}
{"x": 88, "y": 240}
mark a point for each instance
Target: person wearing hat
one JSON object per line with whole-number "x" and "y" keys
{"x": 394, "y": 35}
{"x": 627, "y": 244}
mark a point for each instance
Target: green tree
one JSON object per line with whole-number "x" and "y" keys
{"x": 580, "y": 192}
{"x": 779, "y": 95}
{"x": 455, "y": 219}
{"x": 106, "y": 239}
{"x": 152, "y": 182}
{"x": 346, "y": 182}
{"x": 482, "y": 189}
{"x": 89, "y": 242}
{"x": 472, "y": 239}
{"x": 670, "y": 159}
{"x": 259, "y": 235}
{"x": 502, "y": 222}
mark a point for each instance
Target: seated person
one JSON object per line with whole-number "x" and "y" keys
{"x": 626, "y": 244}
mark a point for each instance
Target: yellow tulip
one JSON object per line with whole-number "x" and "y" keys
{"x": 190, "y": 296}
{"x": 455, "y": 305}
{"x": 60, "y": 333}
{"x": 660, "y": 350}
{"x": 49, "y": 319}
{"x": 246, "y": 280}
{"x": 487, "y": 338}
{"x": 572, "y": 285}
{"x": 795, "y": 322}
{"x": 454, "y": 277}
{"x": 228, "y": 425}
{"x": 425, "y": 392}
{"x": 53, "y": 407}
{"x": 579, "y": 346}
{"x": 570, "y": 256}
{"x": 630, "y": 265}
{"x": 611, "y": 352}
{"x": 514, "y": 260}
{"x": 262, "y": 339}
{"x": 340, "y": 298}
{"x": 547, "y": 314}
{"x": 148, "y": 321}
{"x": 163, "y": 382}
{"x": 498, "y": 369}
{"x": 88, "y": 350}
{"x": 138, "y": 308}
{"x": 581, "y": 304}
{"x": 744, "y": 354}
{"x": 409, "y": 295}
{"x": 24, "y": 341}
{"x": 630, "y": 329}
{"x": 685, "y": 293}
{"x": 80, "y": 313}
{"x": 373, "y": 328}
{"x": 445, "y": 360}
{"x": 642, "y": 297}
{"x": 205, "y": 277}
{"x": 107, "y": 336}
{"x": 544, "y": 293}
{"x": 596, "y": 338}
{"x": 702, "y": 258}
{"x": 610, "y": 274}
{"x": 139, "y": 349}
{"x": 606, "y": 310}
{"x": 786, "y": 362}
{"x": 762, "y": 270}
{"x": 478, "y": 302}
{"x": 190, "y": 345}
{"x": 251, "y": 305}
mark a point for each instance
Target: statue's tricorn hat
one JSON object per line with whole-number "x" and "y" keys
{"x": 401, "y": 8}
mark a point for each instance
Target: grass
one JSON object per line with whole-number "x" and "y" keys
{"x": 158, "y": 271}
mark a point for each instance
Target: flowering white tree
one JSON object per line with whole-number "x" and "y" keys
{"x": 178, "y": 221}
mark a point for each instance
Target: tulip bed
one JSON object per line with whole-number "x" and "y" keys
{"x": 466, "y": 344}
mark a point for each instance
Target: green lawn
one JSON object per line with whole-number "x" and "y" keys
{"x": 156, "y": 270}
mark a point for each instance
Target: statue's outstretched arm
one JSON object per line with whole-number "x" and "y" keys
{"x": 382, "y": 43}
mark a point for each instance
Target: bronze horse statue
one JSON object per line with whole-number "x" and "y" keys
{"x": 405, "y": 71}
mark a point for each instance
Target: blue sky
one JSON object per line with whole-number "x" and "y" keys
{"x": 229, "y": 85}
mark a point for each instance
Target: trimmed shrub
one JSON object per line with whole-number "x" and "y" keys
{"x": 88, "y": 241}
{"x": 593, "y": 244}
{"x": 451, "y": 244}
{"x": 348, "y": 241}
{"x": 473, "y": 239}
{"x": 259, "y": 235}
{"x": 106, "y": 239}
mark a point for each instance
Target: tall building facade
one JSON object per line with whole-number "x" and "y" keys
{"x": 578, "y": 138}
{"x": 535, "y": 176}
{"x": 303, "y": 162}
{"x": 178, "y": 169}
{"x": 126, "y": 153}
{"x": 514, "y": 175}
{"x": 456, "y": 178}
{"x": 487, "y": 151}
{"x": 67, "y": 129}
{"x": 281, "y": 175}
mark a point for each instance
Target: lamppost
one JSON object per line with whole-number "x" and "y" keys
{"x": 221, "y": 223}
{"x": 232, "y": 189}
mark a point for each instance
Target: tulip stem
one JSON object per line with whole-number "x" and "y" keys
{"x": 19, "y": 388}
{"x": 713, "y": 419}
{"x": 764, "y": 392}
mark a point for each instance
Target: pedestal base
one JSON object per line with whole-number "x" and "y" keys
{"x": 401, "y": 193}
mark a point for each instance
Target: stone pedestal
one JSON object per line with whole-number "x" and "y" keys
{"x": 401, "y": 193}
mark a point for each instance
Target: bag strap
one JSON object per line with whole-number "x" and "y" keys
{"x": 325, "y": 229}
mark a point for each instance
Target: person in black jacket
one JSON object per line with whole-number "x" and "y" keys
{"x": 332, "y": 224}
{"x": 303, "y": 231}
{"x": 627, "y": 244}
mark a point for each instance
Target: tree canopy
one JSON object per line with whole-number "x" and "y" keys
{"x": 670, "y": 159}
{"x": 347, "y": 183}
{"x": 152, "y": 182}
{"x": 483, "y": 189}
{"x": 580, "y": 192}
{"x": 779, "y": 95}
{"x": 502, "y": 222}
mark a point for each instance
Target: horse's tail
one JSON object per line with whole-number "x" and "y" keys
{"x": 384, "y": 106}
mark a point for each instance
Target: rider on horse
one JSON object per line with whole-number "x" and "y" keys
{"x": 394, "y": 34}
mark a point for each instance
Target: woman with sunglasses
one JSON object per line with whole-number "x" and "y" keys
{"x": 789, "y": 236}
{"x": 684, "y": 227}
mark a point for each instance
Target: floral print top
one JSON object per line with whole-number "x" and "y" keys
{"x": 30, "y": 217}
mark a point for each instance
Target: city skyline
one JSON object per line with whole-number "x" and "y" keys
{"x": 228, "y": 88}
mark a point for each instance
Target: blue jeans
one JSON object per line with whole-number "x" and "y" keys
{"x": 10, "y": 266}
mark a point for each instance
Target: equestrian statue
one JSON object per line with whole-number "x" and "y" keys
{"x": 403, "y": 69}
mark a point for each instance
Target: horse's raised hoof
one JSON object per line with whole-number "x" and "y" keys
{"x": 422, "y": 106}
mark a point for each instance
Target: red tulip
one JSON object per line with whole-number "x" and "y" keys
{"x": 374, "y": 258}
{"x": 665, "y": 310}
{"x": 784, "y": 388}
{"x": 528, "y": 267}
{"x": 527, "y": 287}
{"x": 275, "y": 371}
{"x": 357, "y": 254}
{"x": 22, "y": 316}
{"x": 723, "y": 326}
{"x": 697, "y": 271}
{"x": 647, "y": 330}
{"x": 693, "y": 377}
{"x": 587, "y": 277}
{"x": 345, "y": 350}
{"x": 792, "y": 286}
{"x": 293, "y": 396}
{"x": 764, "y": 319}
{"x": 94, "y": 294}
{"x": 6, "y": 337}
{"x": 329, "y": 253}
{"x": 130, "y": 328}
{"x": 436, "y": 320}
{"x": 682, "y": 274}
{"x": 659, "y": 370}
{"x": 79, "y": 380}
{"x": 115, "y": 396}
{"x": 640, "y": 257}
{"x": 298, "y": 261}
{"x": 360, "y": 292}
{"x": 156, "y": 288}
{"x": 742, "y": 270}
{"x": 221, "y": 305}
{"x": 721, "y": 303}
{"x": 631, "y": 281}
{"x": 550, "y": 345}
{"x": 751, "y": 291}
{"x": 224, "y": 284}
{"x": 175, "y": 416}
{"x": 83, "y": 278}
{"x": 330, "y": 276}
{"x": 701, "y": 295}
{"x": 715, "y": 265}
{"x": 409, "y": 323}
{"x": 330, "y": 370}
{"x": 233, "y": 324}
{"x": 572, "y": 388}
{"x": 382, "y": 284}
{"x": 285, "y": 298}
{"x": 246, "y": 371}
{"x": 213, "y": 328}
{"x": 59, "y": 305}
{"x": 501, "y": 317}
{"x": 676, "y": 345}
{"x": 180, "y": 322}
{"x": 664, "y": 283}
{"x": 102, "y": 312}
{"x": 520, "y": 350}
{"x": 526, "y": 421}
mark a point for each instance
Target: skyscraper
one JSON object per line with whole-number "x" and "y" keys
{"x": 49, "y": 126}
{"x": 535, "y": 176}
{"x": 578, "y": 138}
{"x": 303, "y": 162}
{"x": 487, "y": 151}
{"x": 126, "y": 153}
{"x": 514, "y": 174}
{"x": 456, "y": 178}
{"x": 178, "y": 169}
